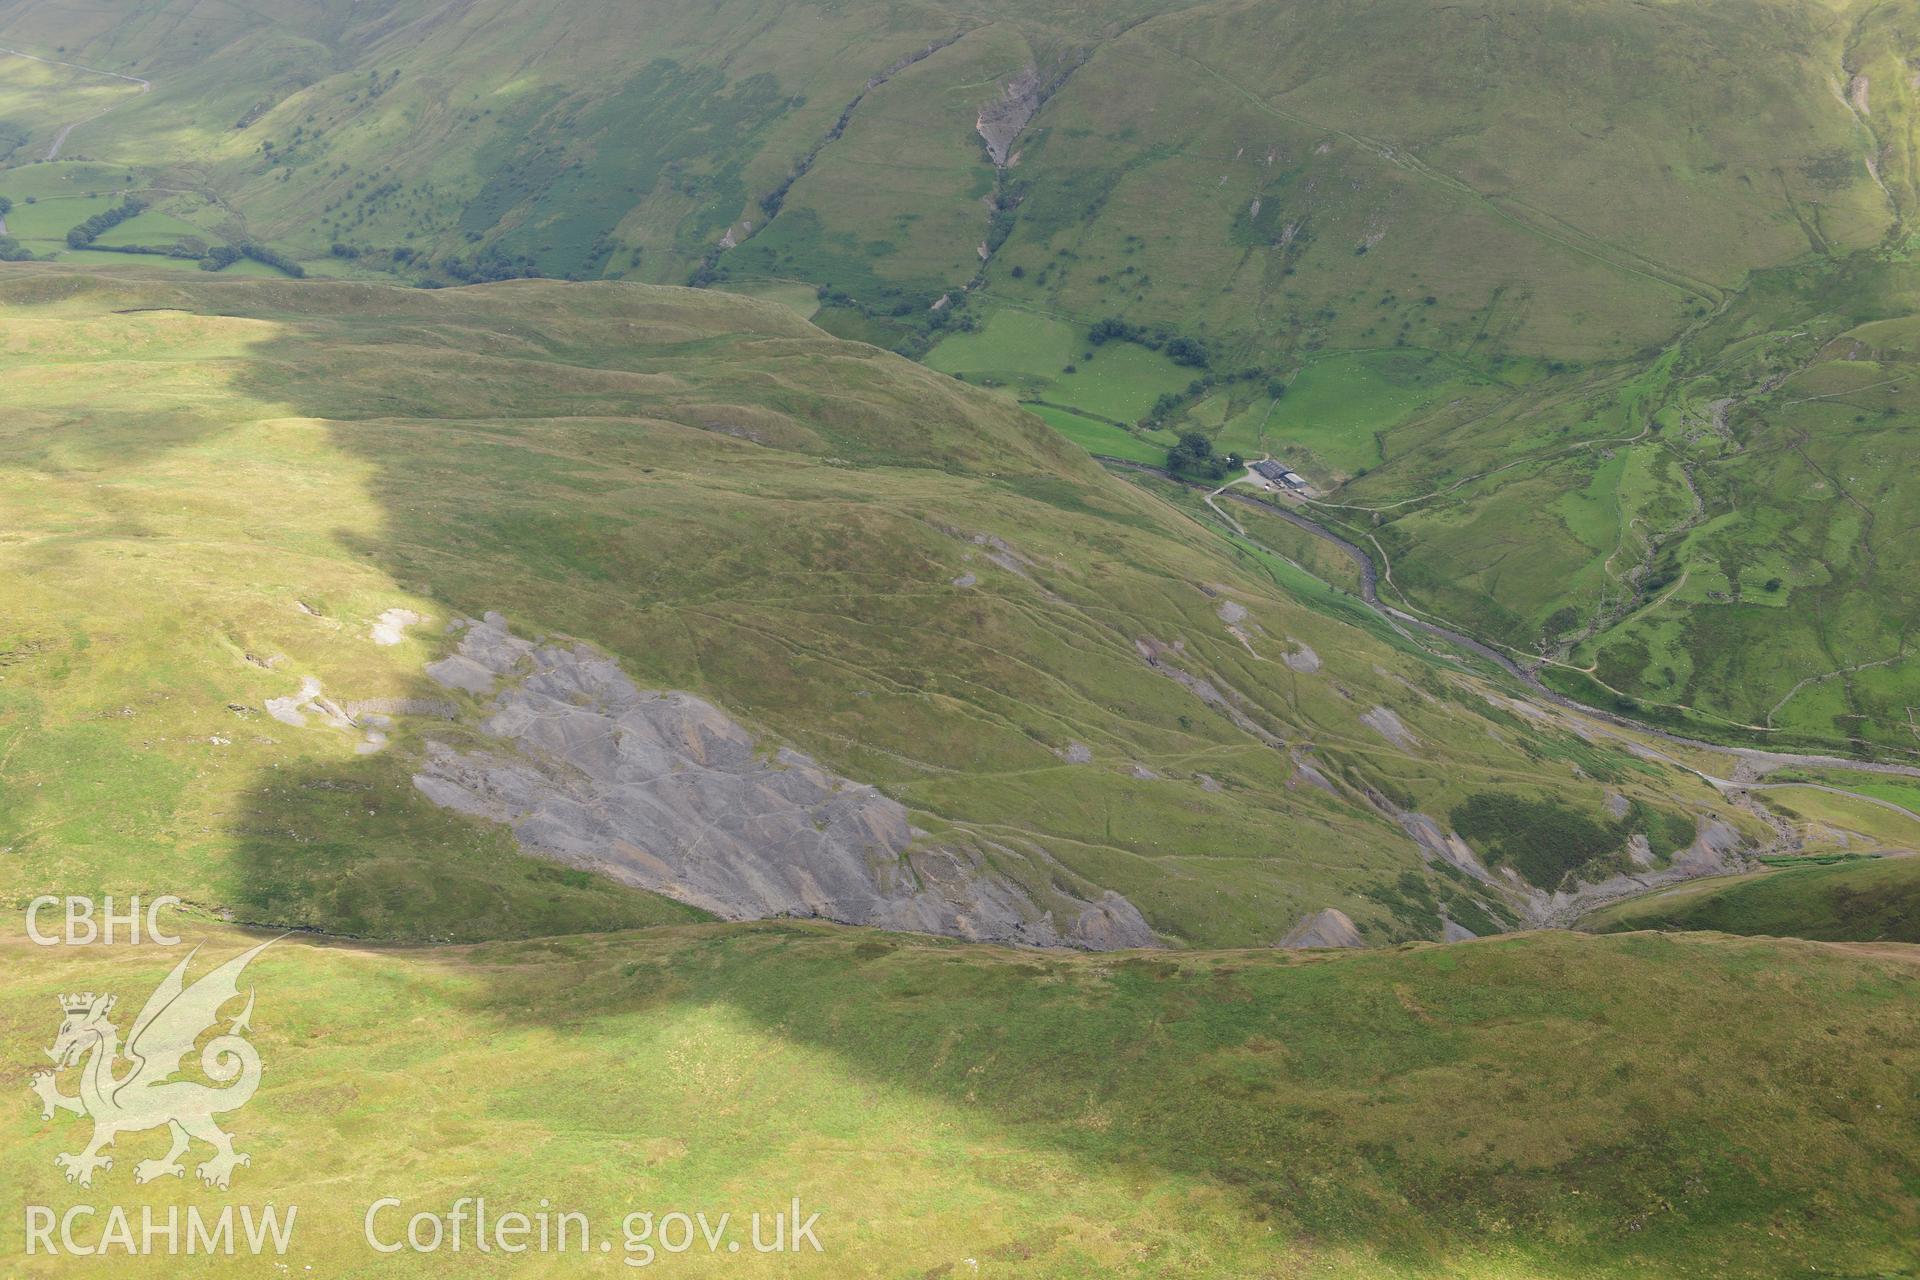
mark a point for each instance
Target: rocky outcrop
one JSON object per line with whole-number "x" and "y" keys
{"x": 1001, "y": 121}
{"x": 1329, "y": 927}
{"x": 1303, "y": 659}
{"x": 1384, "y": 721}
{"x": 1436, "y": 842}
{"x": 665, "y": 791}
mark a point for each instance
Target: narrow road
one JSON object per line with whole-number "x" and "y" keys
{"x": 60, "y": 139}
{"x": 1369, "y": 593}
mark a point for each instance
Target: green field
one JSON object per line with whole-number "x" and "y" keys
{"x": 1894, "y": 790}
{"x": 62, "y": 178}
{"x": 1336, "y": 411}
{"x": 45, "y": 223}
{"x": 1103, "y": 438}
{"x": 1029, "y": 354}
{"x": 804, "y": 299}
{"x": 152, "y": 226}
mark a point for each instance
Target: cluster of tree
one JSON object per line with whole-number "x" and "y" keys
{"x": 1168, "y": 405}
{"x": 272, "y": 258}
{"x": 222, "y": 256}
{"x": 1193, "y": 456}
{"x": 189, "y": 249}
{"x": 906, "y": 321}
{"x": 104, "y": 221}
{"x": 1190, "y": 352}
{"x": 11, "y": 250}
{"x": 1006, "y": 203}
{"x": 491, "y": 264}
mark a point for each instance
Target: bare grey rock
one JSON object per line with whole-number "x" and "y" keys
{"x": 458, "y": 672}
{"x": 1305, "y": 772}
{"x": 1384, "y": 722}
{"x": 1618, "y": 806}
{"x": 1002, "y": 553}
{"x": 1444, "y": 845}
{"x": 1155, "y": 654}
{"x": 1001, "y": 121}
{"x": 1111, "y": 924}
{"x": 1329, "y": 927}
{"x": 665, "y": 791}
{"x": 391, "y": 627}
{"x": 310, "y": 701}
{"x": 1451, "y": 932}
{"x": 296, "y": 708}
{"x": 1076, "y": 753}
{"x": 432, "y": 708}
{"x": 1302, "y": 659}
{"x": 488, "y": 649}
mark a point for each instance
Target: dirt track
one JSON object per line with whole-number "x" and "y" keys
{"x": 60, "y": 139}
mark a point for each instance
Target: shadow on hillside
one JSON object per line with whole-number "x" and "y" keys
{"x": 1317, "y": 1094}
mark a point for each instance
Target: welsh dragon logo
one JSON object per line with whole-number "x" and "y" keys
{"x": 142, "y": 1094}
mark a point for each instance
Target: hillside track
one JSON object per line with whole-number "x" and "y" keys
{"x": 1764, "y": 760}
{"x": 60, "y": 139}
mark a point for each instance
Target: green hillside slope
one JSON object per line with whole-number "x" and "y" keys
{"x": 223, "y": 486}
{"x": 1553, "y": 1105}
{"x": 1608, "y": 283}
{"x": 1865, "y": 900}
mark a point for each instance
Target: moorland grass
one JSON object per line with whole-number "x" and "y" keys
{"x": 1554, "y": 1105}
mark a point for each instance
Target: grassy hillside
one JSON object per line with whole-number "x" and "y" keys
{"x": 222, "y": 485}
{"x": 1855, "y": 899}
{"x": 1707, "y": 541}
{"x": 1544, "y": 1105}
{"x": 1369, "y": 136}
{"x": 1593, "y": 321}
{"x": 1609, "y": 284}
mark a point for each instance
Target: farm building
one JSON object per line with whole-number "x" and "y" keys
{"x": 1275, "y": 475}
